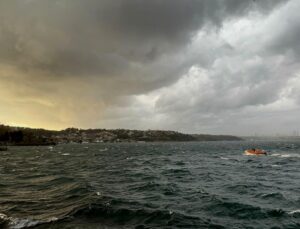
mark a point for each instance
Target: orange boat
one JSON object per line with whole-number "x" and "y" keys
{"x": 255, "y": 152}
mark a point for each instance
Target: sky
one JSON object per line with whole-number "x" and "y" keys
{"x": 195, "y": 66}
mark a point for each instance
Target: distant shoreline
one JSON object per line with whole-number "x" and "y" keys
{"x": 20, "y": 136}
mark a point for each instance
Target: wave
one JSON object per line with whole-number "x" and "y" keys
{"x": 140, "y": 217}
{"x": 107, "y": 214}
{"x": 295, "y": 213}
{"x": 17, "y": 223}
{"x": 238, "y": 210}
{"x": 117, "y": 212}
{"x": 274, "y": 195}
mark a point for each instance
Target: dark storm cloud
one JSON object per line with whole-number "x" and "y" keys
{"x": 174, "y": 19}
{"x": 104, "y": 38}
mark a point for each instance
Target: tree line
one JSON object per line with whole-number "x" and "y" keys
{"x": 24, "y": 136}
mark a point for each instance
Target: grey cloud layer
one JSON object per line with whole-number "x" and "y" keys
{"x": 100, "y": 55}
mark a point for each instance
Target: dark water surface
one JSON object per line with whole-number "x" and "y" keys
{"x": 151, "y": 185}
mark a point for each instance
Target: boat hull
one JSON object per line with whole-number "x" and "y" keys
{"x": 255, "y": 153}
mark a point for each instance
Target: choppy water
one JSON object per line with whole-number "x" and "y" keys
{"x": 151, "y": 185}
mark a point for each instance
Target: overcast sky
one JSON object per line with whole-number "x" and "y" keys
{"x": 196, "y": 66}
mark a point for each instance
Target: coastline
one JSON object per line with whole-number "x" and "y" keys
{"x": 19, "y": 136}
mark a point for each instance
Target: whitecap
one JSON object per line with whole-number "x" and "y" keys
{"x": 290, "y": 155}
{"x": 16, "y": 223}
{"x": 22, "y": 223}
{"x": 224, "y": 158}
{"x": 65, "y": 154}
{"x": 285, "y": 155}
{"x": 297, "y": 211}
{"x": 275, "y": 155}
{"x": 3, "y": 218}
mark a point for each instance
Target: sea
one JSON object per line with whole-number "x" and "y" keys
{"x": 151, "y": 185}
